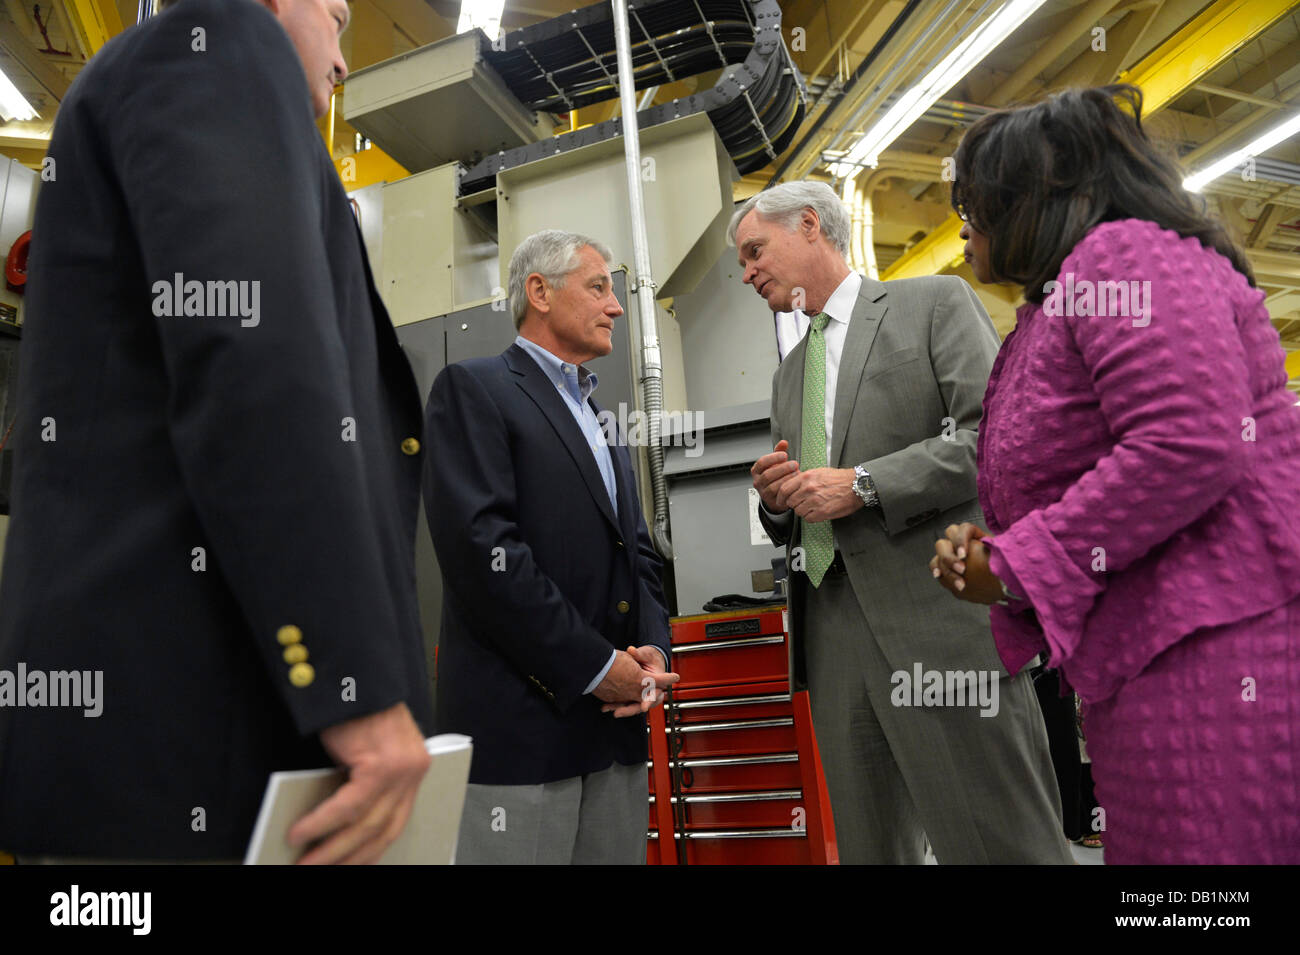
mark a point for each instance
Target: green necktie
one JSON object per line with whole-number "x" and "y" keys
{"x": 818, "y": 546}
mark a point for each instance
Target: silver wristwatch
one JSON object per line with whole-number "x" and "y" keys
{"x": 864, "y": 487}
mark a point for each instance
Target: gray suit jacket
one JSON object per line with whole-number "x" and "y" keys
{"x": 908, "y": 402}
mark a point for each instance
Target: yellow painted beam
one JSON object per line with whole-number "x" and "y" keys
{"x": 31, "y": 157}
{"x": 1293, "y": 365}
{"x": 939, "y": 250}
{"x": 98, "y": 21}
{"x": 1202, "y": 44}
{"x": 367, "y": 168}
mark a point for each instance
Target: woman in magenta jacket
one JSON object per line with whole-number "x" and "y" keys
{"x": 1138, "y": 469}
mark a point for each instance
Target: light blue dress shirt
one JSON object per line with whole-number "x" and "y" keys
{"x": 576, "y": 385}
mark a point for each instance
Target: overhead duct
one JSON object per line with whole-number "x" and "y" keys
{"x": 569, "y": 62}
{"x": 471, "y": 120}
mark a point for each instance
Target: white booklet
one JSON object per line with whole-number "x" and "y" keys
{"x": 429, "y": 837}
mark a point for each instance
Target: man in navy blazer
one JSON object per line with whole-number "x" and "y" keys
{"x": 217, "y": 474}
{"x": 548, "y": 575}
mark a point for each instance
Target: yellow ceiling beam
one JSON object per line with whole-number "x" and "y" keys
{"x": 939, "y": 250}
{"x": 97, "y": 22}
{"x": 1202, "y": 44}
{"x": 1293, "y": 365}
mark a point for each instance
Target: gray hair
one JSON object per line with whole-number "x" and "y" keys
{"x": 552, "y": 254}
{"x": 784, "y": 204}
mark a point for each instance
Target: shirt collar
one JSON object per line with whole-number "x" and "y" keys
{"x": 556, "y": 368}
{"x": 842, "y": 301}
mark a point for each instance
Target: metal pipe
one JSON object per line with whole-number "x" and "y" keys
{"x": 647, "y": 324}
{"x": 796, "y": 155}
{"x": 906, "y": 64}
{"x": 329, "y": 126}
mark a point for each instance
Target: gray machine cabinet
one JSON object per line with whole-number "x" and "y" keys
{"x": 715, "y": 544}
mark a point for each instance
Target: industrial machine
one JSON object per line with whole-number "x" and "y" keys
{"x": 734, "y": 775}
{"x": 475, "y": 121}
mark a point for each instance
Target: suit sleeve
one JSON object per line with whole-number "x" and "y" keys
{"x": 220, "y": 171}
{"x": 927, "y": 478}
{"x": 1179, "y": 446}
{"x": 471, "y": 502}
{"x": 779, "y": 527}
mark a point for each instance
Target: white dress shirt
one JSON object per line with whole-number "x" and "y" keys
{"x": 792, "y": 326}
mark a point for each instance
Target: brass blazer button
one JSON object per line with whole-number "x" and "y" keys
{"x": 624, "y": 606}
{"x": 288, "y": 634}
{"x": 295, "y": 653}
{"x": 410, "y": 446}
{"x": 302, "y": 674}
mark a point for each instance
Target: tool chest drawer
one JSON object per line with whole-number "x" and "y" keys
{"x": 734, "y": 649}
{"x": 734, "y": 774}
{"x": 770, "y": 809}
{"x": 737, "y": 847}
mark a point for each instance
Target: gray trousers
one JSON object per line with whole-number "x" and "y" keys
{"x": 980, "y": 787}
{"x": 597, "y": 819}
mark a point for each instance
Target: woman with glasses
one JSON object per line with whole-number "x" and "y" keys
{"x": 1139, "y": 470}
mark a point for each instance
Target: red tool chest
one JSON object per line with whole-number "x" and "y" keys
{"x": 735, "y": 778}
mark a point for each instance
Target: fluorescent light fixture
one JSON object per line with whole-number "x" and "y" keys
{"x": 12, "y": 103}
{"x": 912, "y": 104}
{"x": 1283, "y": 130}
{"x": 484, "y": 14}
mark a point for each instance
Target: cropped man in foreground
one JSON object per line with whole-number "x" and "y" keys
{"x": 217, "y": 472}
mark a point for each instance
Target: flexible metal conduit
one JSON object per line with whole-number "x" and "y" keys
{"x": 647, "y": 320}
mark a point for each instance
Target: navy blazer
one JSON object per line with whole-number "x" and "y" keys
{"x": 541, "y": 579}
{"x": 197, "y": 487}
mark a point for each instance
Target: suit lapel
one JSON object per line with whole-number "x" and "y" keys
{"x": 791, "y": 373}
{"x": 629, "y": 505}
{"x": 539, "y": 388}
{"x": 853, "y": 360}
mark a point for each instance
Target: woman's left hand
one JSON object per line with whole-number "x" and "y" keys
{"x": 961, "y": 565}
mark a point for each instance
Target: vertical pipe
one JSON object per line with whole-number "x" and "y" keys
{"x": 329, "y": 134}
{"x": 646, "y": 318}
{"x": 852, "y": 201}
{"x": 868, "y": 240}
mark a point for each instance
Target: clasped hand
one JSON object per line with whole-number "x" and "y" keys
{"x": 635, "y": 682}
{"x": 821, "y": 494}
{"x": 961, "y": 565}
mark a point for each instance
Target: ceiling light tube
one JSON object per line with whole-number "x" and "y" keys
{"x": 1284, "y": 130}
{"x": 913, "y": 104}
{"x": 484, "y": 14}
{"x": 12, "y": 103}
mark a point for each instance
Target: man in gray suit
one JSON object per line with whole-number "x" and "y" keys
{"x": 875, "y": 417}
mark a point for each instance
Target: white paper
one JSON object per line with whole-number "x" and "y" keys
{"x": 757, "y": 536}
{"x": 429, "y": 837}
